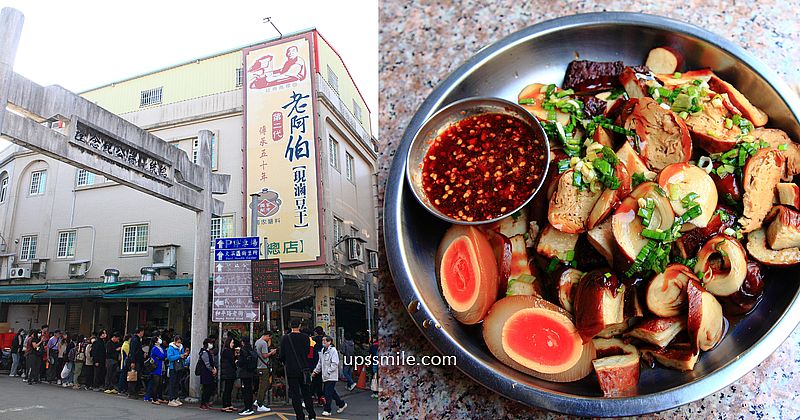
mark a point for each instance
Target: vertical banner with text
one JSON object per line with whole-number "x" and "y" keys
{"x": 282, "y": 157}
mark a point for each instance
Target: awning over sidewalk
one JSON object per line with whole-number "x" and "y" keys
{"x": 156, "y": 289}
{"x": 23, "y": 293}
{"x": 16, "y": 297}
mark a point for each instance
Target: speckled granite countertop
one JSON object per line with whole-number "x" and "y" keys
{"x": 421, "y": 43}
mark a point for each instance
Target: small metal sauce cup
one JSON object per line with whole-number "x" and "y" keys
{"x": 452, "y": 114}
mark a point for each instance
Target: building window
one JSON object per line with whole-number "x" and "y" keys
{"x": 196, "y": 147}
{"x": 338, "y": 229}
{"x": 350, "y": 167}
{"x": 354, "y": 232}
{"x": 221, "y": 227}
{"x": 84, "y": 177}
{"x": 28, "y": 250}
{"x": 134, "y": 239}
{"x": 150, "y": 97}
{"x": 38, "y": 182}
{"x": 333, "y": 145}
{"x": 357, "y": 111}
{"x": 4, "y": 189}
{"x": 239, "y": 77}
{"x": 333, "y": 80}
{"x": 66, "y": 244}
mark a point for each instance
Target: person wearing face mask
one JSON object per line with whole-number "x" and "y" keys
{"x": 328, "y": 367}
{"x": 155, "y": 384}
{"x": 207, "y": 370}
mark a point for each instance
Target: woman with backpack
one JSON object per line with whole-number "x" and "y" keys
{"x": 247, "y": 371}
{"x": 206, "y": 369}
{"x": 227, "y": 373}
{"x": 155, "y": 365}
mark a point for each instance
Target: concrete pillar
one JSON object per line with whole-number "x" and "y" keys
{"x": 201, "y": 269}
{"x": 11, "y": 21}
{"x": 325, "y": 309}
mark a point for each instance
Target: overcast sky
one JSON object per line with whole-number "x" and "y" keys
{"x": 84, "y": 44}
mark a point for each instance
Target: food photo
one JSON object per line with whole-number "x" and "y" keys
{"x": 597, "y": 214}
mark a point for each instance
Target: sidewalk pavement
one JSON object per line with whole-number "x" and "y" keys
{"x": 43, "y": 401}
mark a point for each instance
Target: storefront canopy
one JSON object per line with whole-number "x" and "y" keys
{"x": 156, "y": 289}
{"x": 23, "y": 293}
{"x": 16, "y": 297}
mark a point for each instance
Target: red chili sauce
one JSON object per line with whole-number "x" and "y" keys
{"x": 483, "y": 167}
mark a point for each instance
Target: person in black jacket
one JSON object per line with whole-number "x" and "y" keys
{"x": 294, "y": 355}
{"x": 246, "y": 371}
{"x": 16, "y": 352}
{"x": 99, "y": 358}
{"x": 135, "y": 360}
{"x": 227, "y": 372}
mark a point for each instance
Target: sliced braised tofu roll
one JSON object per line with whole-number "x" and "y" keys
{"x": 751, "y": 112}
{"x": 617, "y": 367}
{"x": 570, "y": 205}
{"x": 666, "y": 292}
{"x": 762, "y": 173}
{"x": 658, "y": 331}
{"x": 686, "y": 186}
{"x": 633, "y": 162}
{"x": 676, "y": 356}
{"x": 723, "y": 263}
{"x": 554, "y": 243}
{"x": 662, "y": 137}
{"x": 627, "y": 225}
{"x": 601, "y": 237}
{"x": 758, "y": 249}
{"x": 783, "y": 230}
{"x": 778, "y": 139}
{"x": 705, "y": 323}
{"x": 709, "y": 126}
{"x": 788, "y": 194}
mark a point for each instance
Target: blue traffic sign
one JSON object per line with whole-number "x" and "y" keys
{"x": 236, "y": 254}
{"x": 249, "y": 242}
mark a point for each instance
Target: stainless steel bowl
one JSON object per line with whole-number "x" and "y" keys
{"x": 450, "y": 115}
{"x": 540, "y": 53}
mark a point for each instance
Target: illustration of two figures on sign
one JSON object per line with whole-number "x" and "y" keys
{"x": 265, "y": 75}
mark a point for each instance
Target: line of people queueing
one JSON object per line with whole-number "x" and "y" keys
{"x": 121, "y": 365}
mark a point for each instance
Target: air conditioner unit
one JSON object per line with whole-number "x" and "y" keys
{"x": 20, "y": 273}
{"x": 39, "y": 267}
{"x": 355, "y": 251}
{"x": 165, "y": 256}
{"x": 78, "y": 268}
{"x": 373, "y": 260}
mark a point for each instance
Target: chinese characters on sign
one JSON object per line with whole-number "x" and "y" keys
{"x": 104, "y": 145}
{"x": 282, "y": 156}
{"x": 232, "y": 298}
{"x": 266, "y": 280}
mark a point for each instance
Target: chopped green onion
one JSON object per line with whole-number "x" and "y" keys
{"x": 563, "y": 165}
{"x": 552, "y": 265}
{"x": 783, "y": 147}
{"x": 637, "y": 178}
{"x": 527, "y": 101}
{"x": 677, "y": 75}
{"x": 570, "y": 255}
{"x": 654, "y": 234}
{"x": 728, "y": 123}
{"x": 689, "y": 198}
{"x": 565, "y": 92}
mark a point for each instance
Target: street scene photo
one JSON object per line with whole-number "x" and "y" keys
{"x": 188, "y": 218}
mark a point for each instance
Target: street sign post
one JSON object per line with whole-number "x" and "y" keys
{"x": 232, "y": 298}
{"x": 232, "y": 294}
